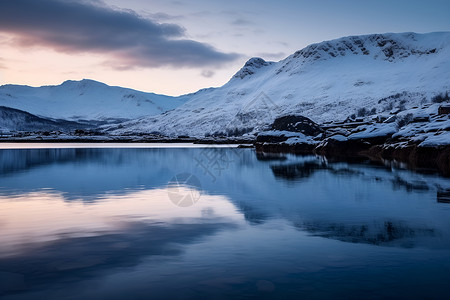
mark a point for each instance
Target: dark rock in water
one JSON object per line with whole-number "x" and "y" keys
{"x": 297, "y": 124}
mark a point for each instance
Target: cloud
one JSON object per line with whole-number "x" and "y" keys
{"x": 207, "y": 73}
{"x": 268, "y": 55}
{"x": 76, "y": 259}
{"x": 178, "y": 3}
{"x": 242, "y": 22}
{"x": 238, "y": 12}
{"x": 90, "y": 26}
{"x": 160, "y": 17}
{"x": 2, "y": 65}
{"x": 284, "y": 44}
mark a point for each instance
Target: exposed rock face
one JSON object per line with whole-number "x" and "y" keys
{"x": 384, "y": 46}
{"x": 297, "y": 124}
{"x": 266, "y": 138}
{"x": 444, "y": 109}
{"x": 342, "y": 148}
{"x": 251, "y": 66}
{"x": 302, "y": 149}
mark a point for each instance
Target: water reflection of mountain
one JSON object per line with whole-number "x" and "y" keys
{"x": 297, "y": 171}
{"x": 288, "y": 187}
{"x": 283, "y": 200}
{"x": 383, "y": 233}
{"x": 88, "y": 173}
{"x": 443, "y": 195}
{"x": 261, "y": 156}
{"x": 16, "y": 160}
{"x": 306, "y": 169}
{"x": 153, "y": 167}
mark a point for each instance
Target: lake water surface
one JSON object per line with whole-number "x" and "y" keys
{"x": 217, "y": 223}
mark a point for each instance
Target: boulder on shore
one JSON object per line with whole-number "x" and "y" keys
{"x": 297, "y": 124}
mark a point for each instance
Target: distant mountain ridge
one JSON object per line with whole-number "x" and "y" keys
{"x": 86, "y": 100}
{"x": 17, "y": 120}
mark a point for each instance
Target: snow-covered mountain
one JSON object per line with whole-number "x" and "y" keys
{"x": 328, "y": 81}
{"x": 86, "y": 100}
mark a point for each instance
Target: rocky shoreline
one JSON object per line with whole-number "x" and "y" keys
{"x": 417, "y": 157}
{"x": 422, "y": 142}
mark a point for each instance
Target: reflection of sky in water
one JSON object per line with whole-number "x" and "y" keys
{"x": 74, "y": 219}
{"x": 43, "y": 216}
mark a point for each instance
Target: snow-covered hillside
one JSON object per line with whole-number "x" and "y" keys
{"x": 86, "y": 100}
{"x": 17, "y": 120}
{"x": 328, "y": 81}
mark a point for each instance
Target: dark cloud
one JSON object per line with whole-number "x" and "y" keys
{"x": 242, "y": 22}
{"x": 90, "y": 26}
{"x": 207, "y": 73}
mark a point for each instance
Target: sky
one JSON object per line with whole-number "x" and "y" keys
{"x": 178, "y": 47}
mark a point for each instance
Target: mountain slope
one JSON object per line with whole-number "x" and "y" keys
{"x": 328, "y": 81}
{"x": 17, "y": 120}
{"x": 86, "y": 100}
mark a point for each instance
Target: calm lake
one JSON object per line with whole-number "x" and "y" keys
{"x": 183, "y": 222}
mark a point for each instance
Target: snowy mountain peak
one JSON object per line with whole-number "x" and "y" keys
{"x": 84, "y": 83}
{"x": 251, "y": 66}
{"x": 329, "y": 81}
{"x": 390, "y": 47}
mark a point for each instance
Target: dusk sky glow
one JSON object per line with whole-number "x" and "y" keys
{"x": 177, "y": 47}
